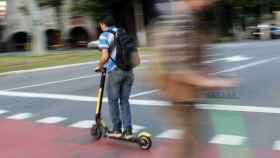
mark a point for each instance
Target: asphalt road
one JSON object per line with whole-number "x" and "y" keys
{"x": 64, "y": 100}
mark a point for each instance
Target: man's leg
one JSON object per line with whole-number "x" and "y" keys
{"x": 113, "y": 91}
{"x": 125, "y": 106}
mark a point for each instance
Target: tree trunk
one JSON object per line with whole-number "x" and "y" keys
{"x": 59, "y": 19}
{"x": 38, "y": 38}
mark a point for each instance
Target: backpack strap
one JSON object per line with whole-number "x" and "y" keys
{"x": 114, "y": 33}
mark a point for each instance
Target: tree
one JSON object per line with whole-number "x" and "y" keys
{"x": 121, "y": 10}
{"x": 94, "y": 8}
{"x": 98, "y": 8}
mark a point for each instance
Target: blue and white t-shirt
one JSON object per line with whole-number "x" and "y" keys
{"x": 105, "y": 41}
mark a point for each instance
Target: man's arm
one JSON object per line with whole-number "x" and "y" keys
{"x": 103, "y": 59}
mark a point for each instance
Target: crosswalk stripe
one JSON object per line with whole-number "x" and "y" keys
{"x": 52, "y": 120}
{"x": 228, "y": 140}
{"x": 83, "y": 124}
{"x": 20, "y": 116}
{"x": 171, "y": 134}
{"x": 137, "y": 128}
{"x": 3, "y": 111}
{"x": 276, "y": 145}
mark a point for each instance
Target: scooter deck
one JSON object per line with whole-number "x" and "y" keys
{"x": 133, "y": 139}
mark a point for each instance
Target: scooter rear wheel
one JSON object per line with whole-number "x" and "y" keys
{"x": 96, "y": 132}
{"x": 145, "y": 142}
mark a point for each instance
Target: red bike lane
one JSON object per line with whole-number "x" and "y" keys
{"x": 23, "y": 139}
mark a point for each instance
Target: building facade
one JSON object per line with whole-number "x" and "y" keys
{"x": 77, "y": 30}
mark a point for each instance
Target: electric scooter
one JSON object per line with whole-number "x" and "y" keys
{"x": 99, "y": 129}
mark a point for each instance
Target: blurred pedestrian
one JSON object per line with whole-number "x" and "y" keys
{"x": 179, "y": 39}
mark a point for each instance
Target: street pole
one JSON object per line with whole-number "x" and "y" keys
{"x": 38, "y": 35}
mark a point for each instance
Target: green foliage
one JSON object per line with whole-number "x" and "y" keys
{"x": 253, "y": 3}
{"x": 98, "y": 8}
{"x": 94, "y": 8}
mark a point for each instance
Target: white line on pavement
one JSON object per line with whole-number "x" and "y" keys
{"x": 143, "y": 93}
{"x": 148, "y": 92}
{"x": 53, "y": 82}
{"x": 3, "y": 111}
{"x": 171, "y": 134}
{"x": 228, "y": 140}
{"x": 83, "y": 124}
{"x": 76, "y": 98}
{"x": 238, "y": 108}
{"x": 47, "y": 68}
{"x": 276, "y": 145}
{"x": 137, "y": 128}
{"x": 223, "y": 71}
{"x": 51, "y": 120}
{"x": 214, "y": 60}
{"x": 237, "y": 58}
{"x": 248, "y": 65}
{"x": 53, "y": 67}
{"x": 158, "y": 103}
{"x": 20, "y": 116}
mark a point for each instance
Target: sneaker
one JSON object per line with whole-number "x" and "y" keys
{"x": 115, "y": 133}
{"x": 128, "y": 134}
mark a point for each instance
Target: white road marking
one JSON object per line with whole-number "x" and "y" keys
{"x": 213, "y": 61}
{"x": 47, "y": 68}
{"x": 232, "y": 45}
{"x": 255, "y": 109}
{"x": 238, "y": 108}
{"x": 48, "y": 96}
{"x": 52, "y": 120}
{"x": 83, "y": 124}
{"x": 3, "y": 111}
{"x": 237, "y": 58}
{"x": 171, "y": 134}
{"x": 137, "y": 128}
{"x": 276, "y": 145}
{"x": 53, "y": 82}
{"x": 228, "y": 140}
{"x": 214, "y": 55}
{"x": 248, "y": 65}
{"x": 89, "y": 123}
{"x": 143, "y": 93}
{"x": 20, "y": 116}
{"x": 77, "y": 98}
{"x": 83, "y": 77}
{"x": 230, "y": 59}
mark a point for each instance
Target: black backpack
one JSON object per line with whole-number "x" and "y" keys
{"x": 125, "y": 47}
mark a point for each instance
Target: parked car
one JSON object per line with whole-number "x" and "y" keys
{"x": 93, "y": 44}
{"x": 258, "y": 31}
{"x": 275, "y": 32}
{"x": 255, "y": 33}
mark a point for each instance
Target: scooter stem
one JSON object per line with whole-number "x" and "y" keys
{"x": 100, "y": 96}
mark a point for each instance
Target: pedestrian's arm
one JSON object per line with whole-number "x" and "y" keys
{"x": 103, "y": 59}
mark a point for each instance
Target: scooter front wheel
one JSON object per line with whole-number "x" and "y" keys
{"x": 145, "y": 142}
{"x": 96, "y": 132}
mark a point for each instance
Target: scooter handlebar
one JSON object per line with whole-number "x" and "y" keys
{"x": 100, "y": 70}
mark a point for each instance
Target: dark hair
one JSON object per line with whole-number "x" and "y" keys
{"x": 107, "y": 20}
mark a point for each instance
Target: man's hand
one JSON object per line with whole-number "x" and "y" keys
{"x": 98, "y": 68}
